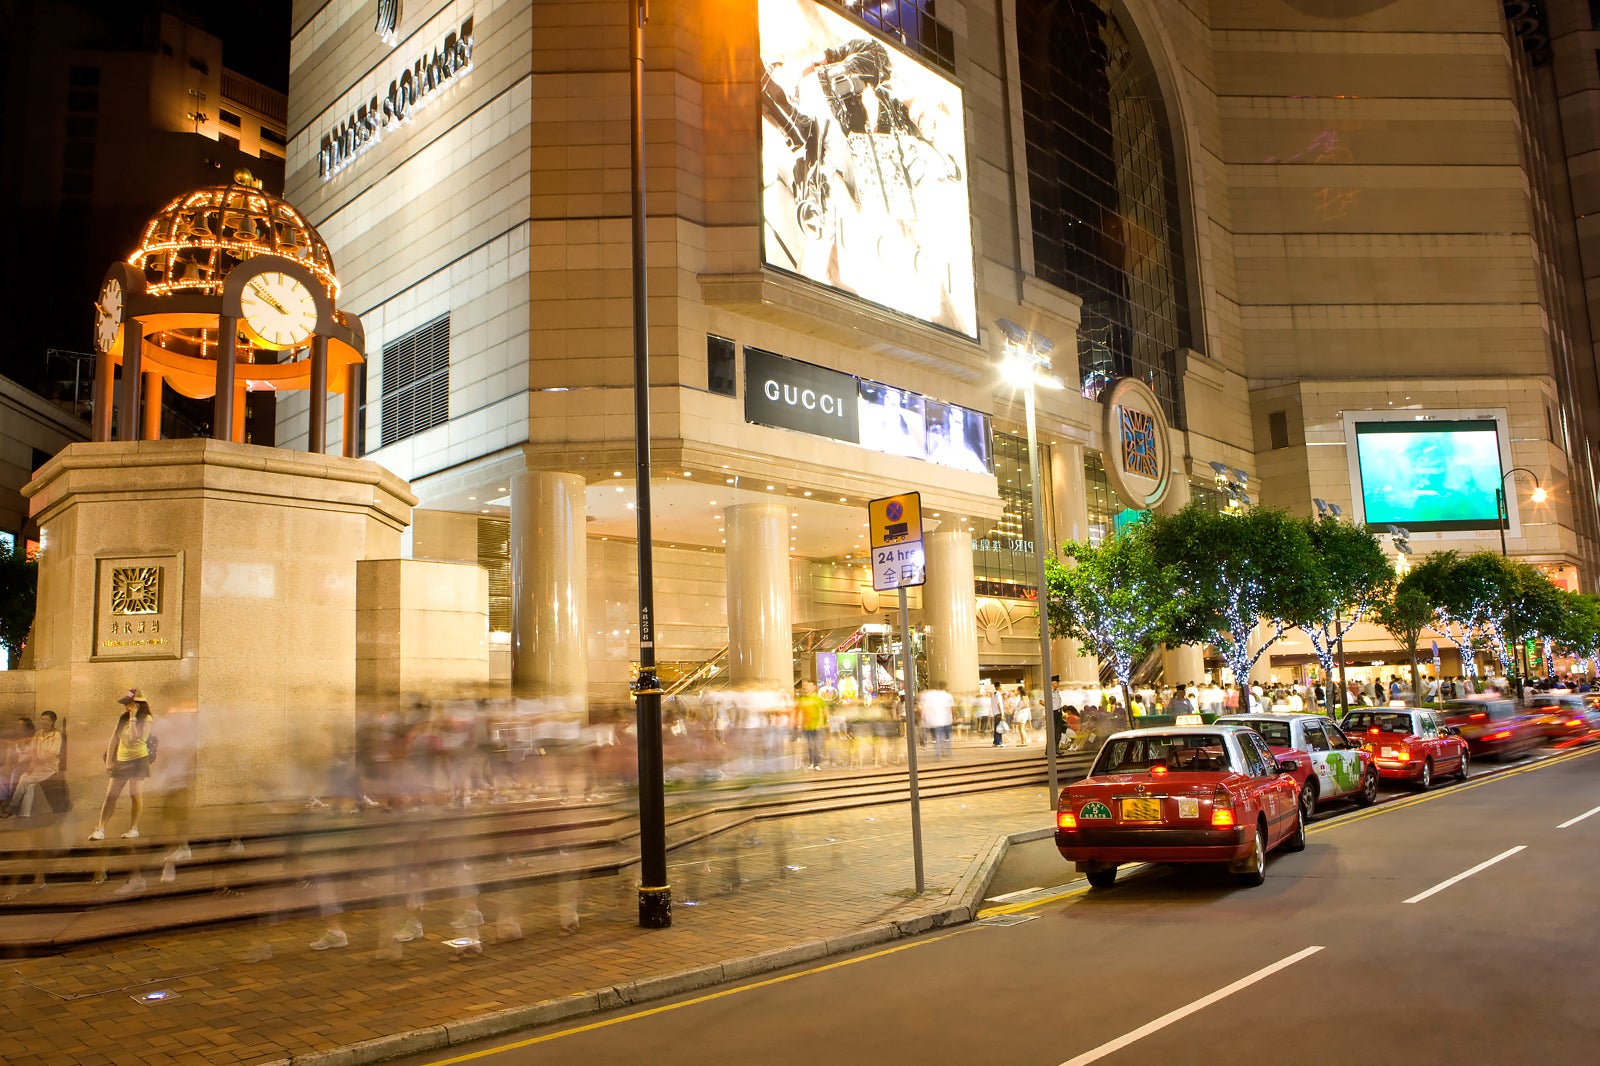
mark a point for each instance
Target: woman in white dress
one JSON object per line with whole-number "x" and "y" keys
{"x": 1022, "y": 716}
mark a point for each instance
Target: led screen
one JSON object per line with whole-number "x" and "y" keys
{"x": 863, "y": 167}
{"x": 958, "y": 437}
{"x": 1430, "y": 476}
{"x": 893, "y": 421}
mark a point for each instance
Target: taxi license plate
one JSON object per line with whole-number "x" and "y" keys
{"x": 1387, "y": 753}
{"x": 1141, "y": 809}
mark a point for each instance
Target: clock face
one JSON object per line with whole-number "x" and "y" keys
{"x": 108, "y": 314}
{"x": 279, "y": 311}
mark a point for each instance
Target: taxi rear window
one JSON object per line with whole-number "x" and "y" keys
{"x": 1271, "y": 732}
{"x": 1188, "y": 751}
{"x": 1384, "y": 722}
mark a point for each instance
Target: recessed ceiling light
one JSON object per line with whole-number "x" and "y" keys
{"x": 502, "y": 488}
{"x": 713, "y": 503}
{"x": 771, "y": 487}
{"x": 616, "y": 473}
{"x": 808, "y": 492}
{"x": 842, "y": 499}
{"x": 619, "y": 488}
{"x": 688, "y": 473}
{"x": 474, "y": 499}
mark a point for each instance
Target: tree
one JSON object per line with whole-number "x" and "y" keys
{"x": 1578, "y": 632}
{"x": 1441, "y": 580}
{"x": 1237, "y": 569}
{"x": 1115, "y": 600}
{"x": 1533, "y": 610}
{"x": 19, "y": 588}
{"x": 1405, "y": 614}
{"x": 1350, "y": 574}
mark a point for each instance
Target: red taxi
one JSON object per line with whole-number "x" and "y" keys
{"x": 1181, "y": 794}
{"x": 1567, "y": 718}
{"x": 1408, "y": 744}
{"x": 1328, "y": 765}
{"x": 1493, "y": 727}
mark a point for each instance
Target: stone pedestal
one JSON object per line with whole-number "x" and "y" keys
{"x": 220, "y": 578}
{"x": 422, "y": 625}
{"x": 950, "y": 610}
{"x": 760, "y": 608}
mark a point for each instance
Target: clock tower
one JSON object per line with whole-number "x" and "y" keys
{"x": 229, "y": 290}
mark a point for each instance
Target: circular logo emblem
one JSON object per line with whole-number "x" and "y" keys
{"x": 894, "y": 511}
{"x": 1137, "y": 443}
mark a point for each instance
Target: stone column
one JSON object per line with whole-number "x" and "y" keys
{"x": 352, "y": 408}
{"x": 950, "y": 609}
{"x": 760, "y": 612}
{"x": 1069, "y": 491}
{"x": 105, "y": 372}
{"x": 132, "y": 380}
{"x": 241, "y": 397}
{"x": 227, "y": 354}
{"x": 549, "y": 586}
{"x": 317, "y": 436}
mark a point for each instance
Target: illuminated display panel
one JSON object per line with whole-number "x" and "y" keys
{"x": 1430, "y": 476}
{"x": 864, "y": 167}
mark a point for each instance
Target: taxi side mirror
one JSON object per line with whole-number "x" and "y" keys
{"x": 1287, "y": 766}
{"x": 1453, "y": 730}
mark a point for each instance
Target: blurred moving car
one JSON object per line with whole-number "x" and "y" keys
{"x": 1181, "y": 794}
{"x": 1329, "y": 766}
{"x": 1492, "y": 726}
{"x": 1568, "y": 717}
{"x": 1410, "y": 744}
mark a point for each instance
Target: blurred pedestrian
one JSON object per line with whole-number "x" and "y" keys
{"x": 813, "y": 720}
{"x": 127, "y": 758}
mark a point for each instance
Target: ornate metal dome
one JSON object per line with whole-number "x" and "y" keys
{"x": 191, "y": 244}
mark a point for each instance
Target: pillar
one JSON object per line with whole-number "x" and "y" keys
{"x": 105, "y": 379}
{"x": 1261, "y": 673}
{"x": 1184, "y": 664}
{"x": 549, "y": 586}
{"x": 760, "y": 611}
{"x": 950, "y": 610}
{"x": 317, "y": 438}
{"x": 227, "y": 353}
{"x": 240, "y": 396}
{"x": 150, "y": 410}
{"x": 1069, "y": 493}
{"x": 352, "y": 409}
{"x": 132, "y": 379}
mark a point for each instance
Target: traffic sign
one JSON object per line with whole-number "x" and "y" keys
{"x": 895, "y": 520}
{"x": 899, "y": 566}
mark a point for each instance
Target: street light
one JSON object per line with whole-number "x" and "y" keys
{"x": 655, "y": 895}
{"x": 1027, "y": 366}
{"x": 1503, "y": 513}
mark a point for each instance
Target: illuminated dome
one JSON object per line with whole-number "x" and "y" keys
{"x": 192, "y": 244}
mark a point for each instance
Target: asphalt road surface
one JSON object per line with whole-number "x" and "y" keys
{"x": 1454, "y": 927}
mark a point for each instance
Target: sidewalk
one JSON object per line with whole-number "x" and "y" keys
{"x": 778, "y": 892}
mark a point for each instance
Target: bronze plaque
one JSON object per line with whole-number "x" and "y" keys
{"x": 139, "y": 607}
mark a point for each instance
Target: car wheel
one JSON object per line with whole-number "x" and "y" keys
{"x": 1256, "y": 873}
{"x": 1102, "y": 876}
{"x": 1296, "y": 840}
{"x": 1369, "y": 788}
{"x": 1308, "y": 799}
{"x": 1425, "y": 782}
{"x": 1461, "y": 768}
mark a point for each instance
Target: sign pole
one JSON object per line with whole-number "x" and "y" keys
{"x": 909, "y": 665}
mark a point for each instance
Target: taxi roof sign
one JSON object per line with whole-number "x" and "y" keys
{"x": 895, "y": 519}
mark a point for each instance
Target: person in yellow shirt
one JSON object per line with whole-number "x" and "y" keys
{"x": 813, "y": 722}
{"x": 127, "y": 760}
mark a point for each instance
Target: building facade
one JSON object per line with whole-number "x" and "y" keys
{"x": 1286, "y": 221}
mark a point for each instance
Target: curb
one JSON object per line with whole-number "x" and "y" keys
{"x": 968, "y": 895}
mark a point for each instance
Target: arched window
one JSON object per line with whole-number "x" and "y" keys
{"x": 1104, "y": 193}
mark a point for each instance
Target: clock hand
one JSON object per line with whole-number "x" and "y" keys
{"x": 274, "y": 304}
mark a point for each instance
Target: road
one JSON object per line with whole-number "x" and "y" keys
{"x": 1457, "y": 926}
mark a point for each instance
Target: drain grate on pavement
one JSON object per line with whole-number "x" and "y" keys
{"x": 70, "y": 978}
{"x": 1000, "y": 920}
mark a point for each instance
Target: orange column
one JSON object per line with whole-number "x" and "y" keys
{"x": 239, "y": 395}
{"x": 150, "y": 423}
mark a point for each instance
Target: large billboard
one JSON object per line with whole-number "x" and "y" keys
{"x": 1429, "y": 475}
{"x": 863, "y": 167}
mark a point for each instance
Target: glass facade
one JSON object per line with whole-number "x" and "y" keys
{"x": 1002, "y": 555}
{"x": 1104, "y": 193}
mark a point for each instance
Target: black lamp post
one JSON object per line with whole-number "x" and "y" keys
{"x": 655, "y": 895}
{"x": 1503, "y": 513}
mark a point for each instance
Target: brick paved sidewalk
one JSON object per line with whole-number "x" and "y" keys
{"x": 783, "y": 884}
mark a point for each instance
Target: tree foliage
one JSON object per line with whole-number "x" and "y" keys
{"x": 1405, "y": 614}
{"x": 1350, "y": 573}
{"x": 1114, "y": 599}
{"x": 1235, "y": 569}
{"x": 1578, "y": 631}
{"x": 19, "y": 588}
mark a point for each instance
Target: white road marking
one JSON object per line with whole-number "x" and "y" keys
{"x": 1442, "y": 885}
{"x": 1183, "y": 1012}
{"x": 1010, "y": 896}
{"x": 1579, "y": 818}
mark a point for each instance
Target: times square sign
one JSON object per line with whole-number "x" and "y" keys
{"x": 416, "y": 86}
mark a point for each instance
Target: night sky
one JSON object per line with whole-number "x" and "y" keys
{"x": 255, "y": 36}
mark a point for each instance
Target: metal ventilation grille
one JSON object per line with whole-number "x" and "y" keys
{"x": 494, "y": 555}
{"x": 416, "y": 381}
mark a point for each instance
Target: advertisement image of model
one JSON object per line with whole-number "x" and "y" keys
{"x": 864, "y": 184}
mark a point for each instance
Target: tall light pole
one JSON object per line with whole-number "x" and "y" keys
{"x": 1027, "y": 366}
{"x": 1234, "y": 484}
{"x": 655, "y": 895}
{"x": 1503, "y": 513}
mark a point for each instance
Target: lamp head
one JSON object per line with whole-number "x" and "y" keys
{"x": 1014, "y": 333}
{"x": 1538, "y": 494}
{"x": 1220, "y": 469}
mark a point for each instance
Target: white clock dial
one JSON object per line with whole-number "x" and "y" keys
{"x": 108, "y": 314}
{"x": 279, "y": 311}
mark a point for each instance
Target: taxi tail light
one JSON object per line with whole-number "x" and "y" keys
{"x": 1158, "y": 770}
{"x": 1066, "y": 820}
{"x": 1222, "y": 808}
{"x": 1403, "y": 755}
{"x": 1504, "y": 734}
{"x": 1575, "y": 721}
{"x": 1374, "y": 730}
{"x": 1479, "y": 717}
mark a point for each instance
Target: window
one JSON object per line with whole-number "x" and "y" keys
{"x": 78, "y": 155}
{"x": 228, "y": 141}
{"x": 1336, "y": 738}
{"x": 1275, "y": 732}
{"x": 83, "y": 101}
{"x": 1002, "y": 555}
{"x": 1594, "y": 14}
{"x": 83, "y": 77}
{"x": 1278, "y": 428}
{"x": 272, "y": 136}
{"x": 722, "y": 377}
{"x": 494, "y": 555}
{"x": 82, "y": 126}
{"x": 227, "y": 117}
{"x": 77, "y": 184}
{"x": 910, "y": 22}
{"x": 1316, "y": 740}
{"x": 199, "y": 64}
{"x": 1258, "y": 760}
{"x": 416, "y": 381}
{"x": 1103, "y": 186}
